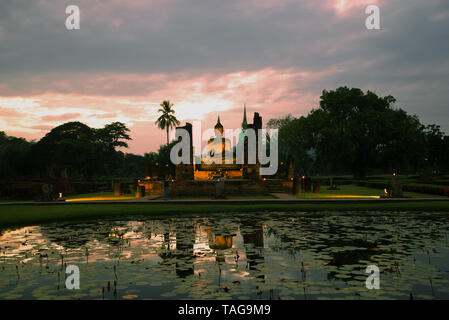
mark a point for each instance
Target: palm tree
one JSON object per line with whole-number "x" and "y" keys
{"x": 167, "y": 119}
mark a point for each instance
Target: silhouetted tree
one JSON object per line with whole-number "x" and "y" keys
{"x": 81, "y": 150}
{"x": 294, "y": 138}
{"x": 14, "y": 160}
{"x": 437, "y": 148}
{"x": 167, "y": 119}
{"x": 353, "y": 128}
{"x": 356, "y": 131}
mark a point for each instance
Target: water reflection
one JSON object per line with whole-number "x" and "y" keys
{"x": 252, "y": 233}
{"x": 268, "y": 256}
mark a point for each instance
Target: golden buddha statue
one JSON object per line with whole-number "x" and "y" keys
{"x": 219, "y": 149}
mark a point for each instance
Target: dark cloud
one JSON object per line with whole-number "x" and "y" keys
{"x": 408, "y": 58}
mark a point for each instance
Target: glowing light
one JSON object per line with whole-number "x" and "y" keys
{"x": 352, "y": 196}
{"x": 99, "y": 199}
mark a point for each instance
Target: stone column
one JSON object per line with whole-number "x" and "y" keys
{"x": 291, "y": 168}
{"x": 140, "y": 191}
{"x": 298, "y": 186}
{"x": 220, "y": 189}
{"x": 308, "y": 184}
{"x": 396, "y": 187}
{"x": 316, "y": 186}
{"x": 117, "y": 189}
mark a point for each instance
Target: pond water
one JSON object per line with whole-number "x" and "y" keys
{"x": 231, "y": 256}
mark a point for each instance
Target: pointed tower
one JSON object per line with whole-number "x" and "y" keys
{"x": 244, "y": 123}
{"x": 219, "y": 126}
{"x": 242, "y": 145}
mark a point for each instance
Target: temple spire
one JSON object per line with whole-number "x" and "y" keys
{"x": 219, "y": 126}
{"x": 244, "y": 123}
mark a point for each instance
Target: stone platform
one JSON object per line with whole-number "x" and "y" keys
{"x": 207, "y": 188}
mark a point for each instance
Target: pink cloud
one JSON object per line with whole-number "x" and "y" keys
{"x": 104, "y": 115}
{"x": 345, "y": 7}
{"x": 41, "y": 128}
{"x": 6, "y": 112}
{"x": 61, "y": 117}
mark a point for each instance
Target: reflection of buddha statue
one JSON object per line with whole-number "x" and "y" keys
{"x": 218, "y": 148}
{"x": 220, "y": 242}
{"x": 220, "y": 239}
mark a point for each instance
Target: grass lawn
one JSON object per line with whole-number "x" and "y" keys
{"x": 353, "y": 191}
{"x": 110, "y": 196}
{"x": 12, "y": 201}
{"x": 268, "y": 196}
{"x": 345, "y": 191}
{"x": 31, "y": 214}
{"x": 237, "y": 197}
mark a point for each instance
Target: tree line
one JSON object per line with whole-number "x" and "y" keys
{"x": 71, "y": 150}
{"x": 76, "y": 151}
{"x": 360, "y": 133}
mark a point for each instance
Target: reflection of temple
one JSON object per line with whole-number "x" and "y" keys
{"x": 220, "y": 242}
{"x": 252, "y": 233}
{"x": 185, "y": 239}
{"x": 180, "y": 252}
{"x": 220, "y": 238}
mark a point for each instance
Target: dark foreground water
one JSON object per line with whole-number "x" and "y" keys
{"x": 231, "y": 256}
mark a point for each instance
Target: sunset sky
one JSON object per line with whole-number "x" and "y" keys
{"x": 210, "y": 57}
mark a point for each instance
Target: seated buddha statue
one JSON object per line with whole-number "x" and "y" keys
{"x": 219, "y": 148}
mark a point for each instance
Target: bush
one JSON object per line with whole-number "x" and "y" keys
{"x": 381, "y": 184}
{"x": 428, "y": 189}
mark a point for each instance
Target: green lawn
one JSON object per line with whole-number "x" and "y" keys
{"x": 268, "y": 196}
{"x": 351, "y": 191}
{"x": 31, "y": 214}
{"x": 345, "y": 191}
{"x": 110, "y": 196}
{"x": 235, "y": 197}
